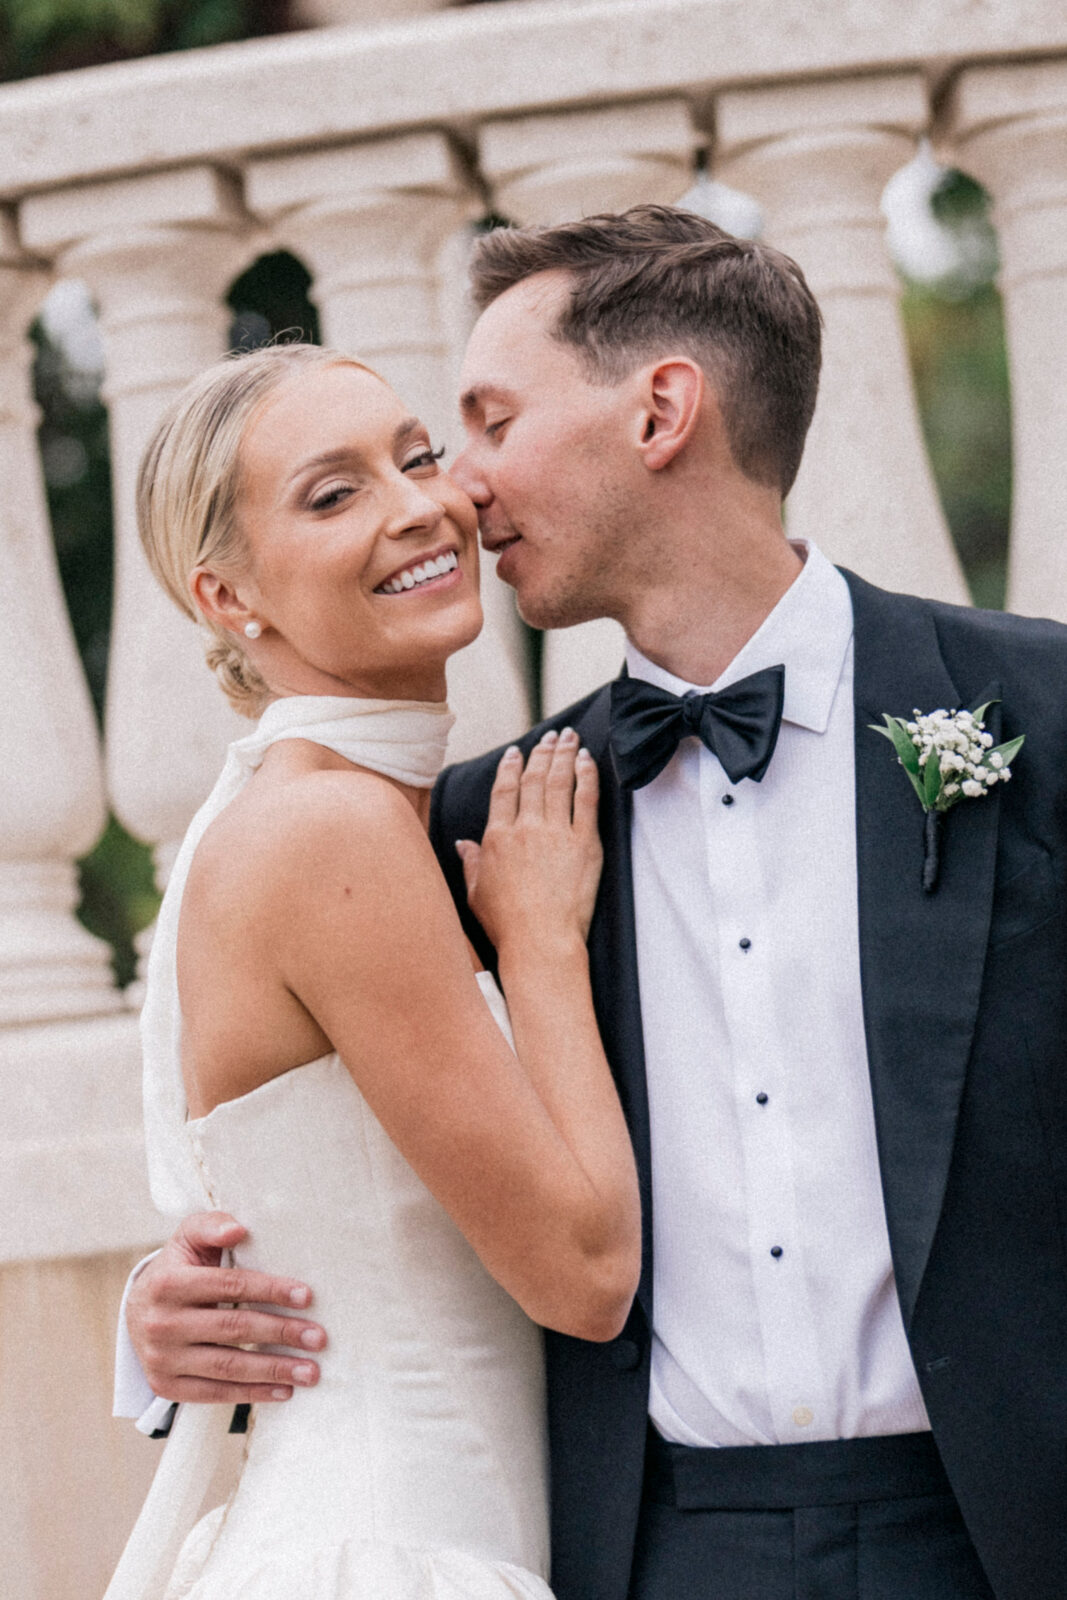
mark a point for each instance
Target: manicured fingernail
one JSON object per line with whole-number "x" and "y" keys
{"x": 568, "y": 736}
{"x": 303, "y": 1372}
{"x": 219, "y": 1230}
{"x": 550, "y": 737}
{"x": 583, "y": 754}
{"x": 299, "y": 1297}
{"x": 511, "y": 752}
{"x": 280, "y": 1394}
{"x": 311, "y": 1339}
{"x": 462, "y": 846}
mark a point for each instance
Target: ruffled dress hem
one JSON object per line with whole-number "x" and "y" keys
{"x": 353, "y": 1569}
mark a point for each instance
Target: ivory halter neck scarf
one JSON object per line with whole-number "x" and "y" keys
{"x": 402, "y": 739}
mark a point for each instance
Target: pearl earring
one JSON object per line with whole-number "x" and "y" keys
{"x": 252, "y": 629}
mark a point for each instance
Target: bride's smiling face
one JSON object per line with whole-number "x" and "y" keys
{"x": 362, "y": 554}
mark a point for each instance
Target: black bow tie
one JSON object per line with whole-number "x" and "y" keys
{"x": 739, "y": 725}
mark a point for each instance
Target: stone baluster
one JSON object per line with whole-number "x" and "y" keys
{"x": 548, "y": 169}
{"x": 1009, "y": 128}
{"x": 375, "y": 223}
{"x": 52, "y": 806}
{"x": 157, "y": 253}
{"x": 817, "y": 156}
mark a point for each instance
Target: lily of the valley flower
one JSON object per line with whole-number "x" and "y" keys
{"x": 948, "y": 755}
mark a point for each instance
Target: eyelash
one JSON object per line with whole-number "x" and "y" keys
{"x": 424, "y": 458}
{"x": 327, "y": 501}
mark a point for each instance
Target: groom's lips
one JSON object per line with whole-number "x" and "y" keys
{"x": 499, "y": 545}
{"x": 503, "y": 552}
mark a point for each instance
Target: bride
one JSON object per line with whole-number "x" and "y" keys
{"x": 322, "y": 1056}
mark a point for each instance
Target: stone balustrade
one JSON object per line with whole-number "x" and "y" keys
{"x": 818, "y": 157}
{"x": 1008, "y": 125}
{"x": 368, "y": 152}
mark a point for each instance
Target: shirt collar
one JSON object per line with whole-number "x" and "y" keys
{"x": 809, "y": 631}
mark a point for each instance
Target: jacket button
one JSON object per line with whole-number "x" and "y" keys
{"x": 625, "y": 1355}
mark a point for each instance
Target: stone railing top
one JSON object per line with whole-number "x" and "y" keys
{"x": 457, "y": 68}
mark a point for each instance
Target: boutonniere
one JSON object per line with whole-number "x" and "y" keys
{"x": 949, "y": 757}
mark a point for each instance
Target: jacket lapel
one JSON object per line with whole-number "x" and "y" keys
{"x": 613, "y": 967}
{"x": 921, "y": 955}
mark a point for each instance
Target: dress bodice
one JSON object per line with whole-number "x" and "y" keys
{"x": 425, "y": 1432}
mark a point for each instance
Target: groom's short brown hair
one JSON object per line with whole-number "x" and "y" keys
{"x": 655, "y": 279}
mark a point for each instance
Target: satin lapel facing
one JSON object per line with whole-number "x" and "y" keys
{"x": 613, "y": 967}
{"x": 921, "y": 955}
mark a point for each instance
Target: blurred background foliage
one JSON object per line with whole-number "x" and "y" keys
{"x": 955, "y": 330}
{"x": 38, "y": 36}
{"x": 940, "y": 232}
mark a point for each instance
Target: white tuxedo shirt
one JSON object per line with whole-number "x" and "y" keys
{"x": 776, "y": 1317}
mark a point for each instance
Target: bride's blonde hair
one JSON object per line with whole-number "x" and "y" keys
{"x": 188, "y": 488}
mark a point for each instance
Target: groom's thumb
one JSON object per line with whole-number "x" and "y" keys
{"x": 202, "y": 1237}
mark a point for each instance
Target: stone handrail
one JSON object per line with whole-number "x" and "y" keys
{"x": 458, "y": 68}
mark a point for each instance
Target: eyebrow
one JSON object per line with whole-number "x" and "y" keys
{"x": 475, "y": 397}
{"x": 332, "y": 458}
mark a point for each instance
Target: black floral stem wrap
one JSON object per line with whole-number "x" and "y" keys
{"x": 931, "y": 850}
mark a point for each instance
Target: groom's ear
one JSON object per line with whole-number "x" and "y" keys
{"x": 673, "y": 394}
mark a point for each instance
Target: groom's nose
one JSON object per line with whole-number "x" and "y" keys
{"x": 466, "y": 475}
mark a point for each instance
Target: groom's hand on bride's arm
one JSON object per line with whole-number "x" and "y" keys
{"x": 188, "y": 1317}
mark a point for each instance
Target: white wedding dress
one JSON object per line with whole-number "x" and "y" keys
{"x": 416, "y": 1469}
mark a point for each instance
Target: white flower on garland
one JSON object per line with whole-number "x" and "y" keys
{"x": 948, "y": 757}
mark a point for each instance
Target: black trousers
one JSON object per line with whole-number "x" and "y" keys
{"x": 849, "y": 1519}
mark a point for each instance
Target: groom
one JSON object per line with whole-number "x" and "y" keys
{"x": 845, "y": 1373}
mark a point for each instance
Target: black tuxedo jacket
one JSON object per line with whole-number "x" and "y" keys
{"x": 965, "y": 1005}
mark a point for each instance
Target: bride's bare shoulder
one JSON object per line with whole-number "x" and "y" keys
{"x": 293, "y": 834}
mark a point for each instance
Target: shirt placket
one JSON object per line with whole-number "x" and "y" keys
{"x": 751, "y": 962}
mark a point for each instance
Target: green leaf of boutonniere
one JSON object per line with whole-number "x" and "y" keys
{"x": 931, "y": 781}
{"x": 901, "y": 740}
{"x": 1007, "y": 752}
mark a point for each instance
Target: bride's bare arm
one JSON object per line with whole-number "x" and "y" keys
{"x": 529, "y": 1154}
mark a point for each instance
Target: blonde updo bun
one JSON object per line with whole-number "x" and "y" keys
{"x": 188, "y": 488}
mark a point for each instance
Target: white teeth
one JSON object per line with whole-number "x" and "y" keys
{"x": 420, "y": 574}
